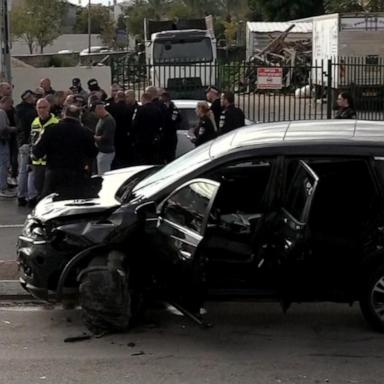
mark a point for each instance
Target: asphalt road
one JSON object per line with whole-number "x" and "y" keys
{"x": 322, "y": 343}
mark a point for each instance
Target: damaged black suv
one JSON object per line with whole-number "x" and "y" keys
{"x": 285, "y": 211}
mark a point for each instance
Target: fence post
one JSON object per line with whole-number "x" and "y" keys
{"x": 329, "y": 90}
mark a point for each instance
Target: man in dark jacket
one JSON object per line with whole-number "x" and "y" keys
{"x": 171, "y": 125}
{"x": 6, "y": 90}
{"x": 145, "y": 131}
{"x": 122, "y": 115}
{"x": 213, "y": 96}
{"x": 231, "y": 117}
{"x": 67, "y": 147}
{"x": 25, "y": 114}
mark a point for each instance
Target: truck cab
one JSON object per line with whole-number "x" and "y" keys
{"x": 181, "y": 60}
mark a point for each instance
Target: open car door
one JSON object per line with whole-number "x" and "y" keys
{"x": 292, "y": 243}
{"x": 183, "y": 218}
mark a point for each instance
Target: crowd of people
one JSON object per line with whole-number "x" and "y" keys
{"x": 52, "y": 141}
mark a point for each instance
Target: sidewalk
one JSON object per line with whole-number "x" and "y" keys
{"x": 10, "y": 287}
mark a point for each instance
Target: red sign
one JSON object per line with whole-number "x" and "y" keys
{"x": 270, "y": 78}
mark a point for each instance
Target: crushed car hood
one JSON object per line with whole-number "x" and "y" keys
{"x": 48, "y": 208}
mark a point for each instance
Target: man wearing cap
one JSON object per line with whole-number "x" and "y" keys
{"x": 25, "y": 114}
{"x": 94, "y": 89}
{"x": 66, "y": 146}
{"x": 77, "y": 89}
{"x": 104, "y": 138}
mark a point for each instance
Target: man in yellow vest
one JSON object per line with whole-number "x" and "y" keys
{"x": 42, "y": 122}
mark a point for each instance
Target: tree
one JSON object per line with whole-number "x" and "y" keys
{"x": 284, "y": 10}
{"x": 343, "y": 6}
{"x": 38, "y": 21}
{"x": 23, "y": 26}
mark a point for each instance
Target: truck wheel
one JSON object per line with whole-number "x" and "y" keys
{"x": 372, "y": 299}
{"x": 105, "y": 298}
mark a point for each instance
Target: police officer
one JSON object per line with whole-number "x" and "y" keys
{"x": 171, "y": 126}
{"x": 43, "y": 121}
{"x": 231, "y": 117}
{"x": 213, "y": 96}
{"x": 145, "y": 131}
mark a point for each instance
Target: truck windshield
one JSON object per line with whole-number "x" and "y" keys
{"x": 182, "y": 50}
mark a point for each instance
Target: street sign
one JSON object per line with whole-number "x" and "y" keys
{"x": 270, "y": 78}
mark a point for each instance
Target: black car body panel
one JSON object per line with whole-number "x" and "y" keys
{"x": 290, "y": 211}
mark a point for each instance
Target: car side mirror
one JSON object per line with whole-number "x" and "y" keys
{"x": 146, "y": 210}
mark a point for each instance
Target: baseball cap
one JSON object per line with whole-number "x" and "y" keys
{"x": 27, "y": 94}
{"x": 76, "y": 81}
{"x": 93, "y": 84}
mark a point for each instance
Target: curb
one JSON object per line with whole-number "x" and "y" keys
{"x": 11, "y": 289}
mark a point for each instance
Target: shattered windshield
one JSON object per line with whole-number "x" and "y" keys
{"x": 170, "y": 173}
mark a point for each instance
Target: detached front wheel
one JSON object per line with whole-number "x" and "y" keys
{"x": 372, "y": 299}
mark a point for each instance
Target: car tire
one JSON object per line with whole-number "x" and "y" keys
{"x": 105, "y": 297}
{"x": 372, "y": 299}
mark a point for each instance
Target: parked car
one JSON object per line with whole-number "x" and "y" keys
{"x": 189, "y": 121}
{"x": 94, "y": 49}
{"x": 291, "y": 212}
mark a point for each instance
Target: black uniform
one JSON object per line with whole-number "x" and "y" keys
{"x": 122, "y": 115}
{"x": 67, "y": 146}
{"x": 169, "y": 132}
{"x": 346, "y": 113}
{"x": 146, "y": 128}
{"x": 216, "y": 109}
{"x": 231, "y": 118}
{"x": 205, "y": 131}
{"x": 25, "y": 114}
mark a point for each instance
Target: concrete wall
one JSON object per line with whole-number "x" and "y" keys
{"x": 50, "y": 60}
{"x": 61, "y": 78}
{"x": 72, "y": 42}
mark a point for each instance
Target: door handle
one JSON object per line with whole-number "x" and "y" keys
{"x": 185, "y": 254}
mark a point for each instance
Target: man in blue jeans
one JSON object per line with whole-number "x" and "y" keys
{"x": 104, "y": 138}
{"x": 5, "y": 134}
{"x": 25, "y": 114}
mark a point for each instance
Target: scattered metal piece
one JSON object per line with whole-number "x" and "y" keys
{"x": 74, "y": 339}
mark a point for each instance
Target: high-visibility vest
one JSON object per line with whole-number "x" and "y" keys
{"x": 37, "y": 130}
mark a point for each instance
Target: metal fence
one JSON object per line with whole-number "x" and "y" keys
{"x": 265, "y": 93}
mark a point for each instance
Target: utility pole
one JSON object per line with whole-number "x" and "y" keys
{"x": 5, "y": 54}
{"x": 89, "y": 26}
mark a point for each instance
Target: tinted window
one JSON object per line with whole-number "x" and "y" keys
{"x": 300, "y": 189}
{"x": 182, "y": 51}
{"x": 188, "y": 207}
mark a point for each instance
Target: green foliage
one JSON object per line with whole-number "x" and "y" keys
{"x": 102, "y": 23}
{"x": 343, "y": 6}
{"x": 283, "y": 10}
{"x": 38, "y": 22}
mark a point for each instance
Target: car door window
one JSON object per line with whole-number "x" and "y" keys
{"x": 189, "y": 205}
{"x": 301, "y": 189}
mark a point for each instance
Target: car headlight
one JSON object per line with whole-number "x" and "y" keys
{"x": 34, "y": 228}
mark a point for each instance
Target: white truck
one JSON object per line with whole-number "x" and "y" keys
{"x": 354, "y": 44}
{"x": 181, "y": 56}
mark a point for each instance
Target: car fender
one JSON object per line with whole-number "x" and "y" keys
{"x": 76, "y": 260}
